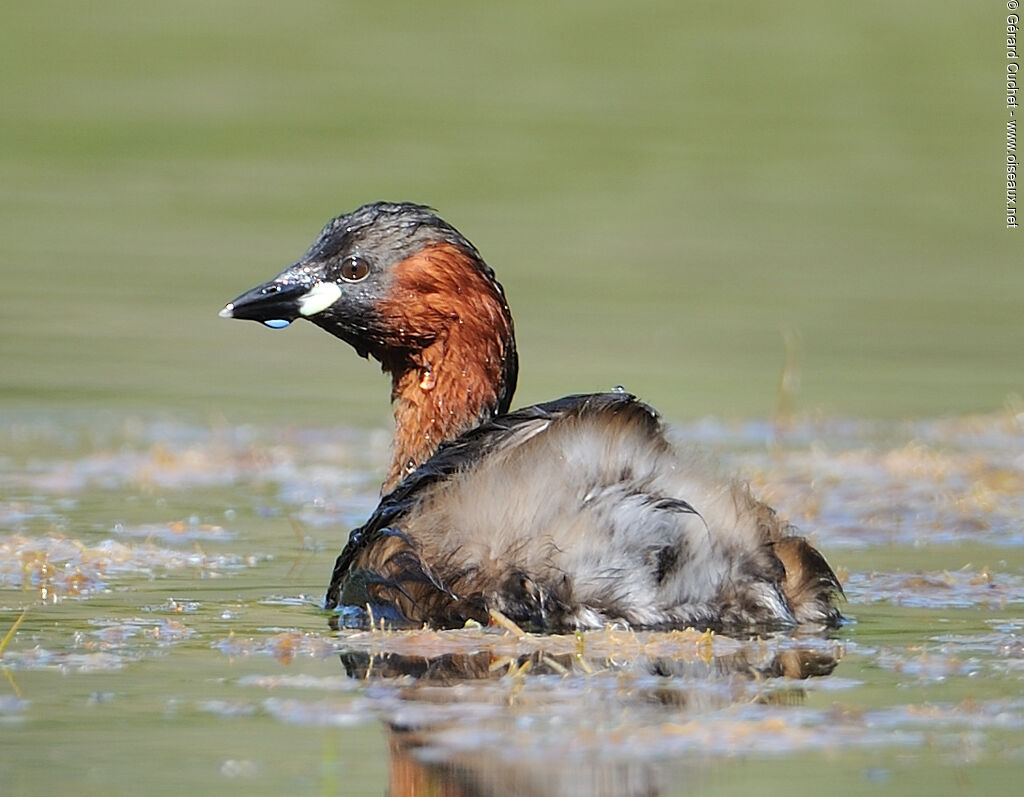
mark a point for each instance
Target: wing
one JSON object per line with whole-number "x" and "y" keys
{"x": 397, "y": 567}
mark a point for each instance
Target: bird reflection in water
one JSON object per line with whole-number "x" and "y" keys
{"x": 603, "y": 713}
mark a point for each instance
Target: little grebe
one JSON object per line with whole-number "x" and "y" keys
{"x": 569, "y": 514}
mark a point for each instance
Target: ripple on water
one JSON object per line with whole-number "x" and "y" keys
{"x": 927, "y": 491}
{"x": 937, "y": 590}
{"x": 177, "y": 531}
{"x": 109, "y": 646}
{"x": 60, "y": 567}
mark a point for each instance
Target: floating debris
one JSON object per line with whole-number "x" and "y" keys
{"x": 924, "y": 590}
{"x": 59, "y": 567}
{"x": 329, "y": 683}
{"x": 176, "y": 531}
{"x": 283, "y": 646}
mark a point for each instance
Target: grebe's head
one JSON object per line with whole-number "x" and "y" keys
{"x": 400, "y": 284}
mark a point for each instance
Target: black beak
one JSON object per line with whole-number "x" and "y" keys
{"x": 274, "y": 301}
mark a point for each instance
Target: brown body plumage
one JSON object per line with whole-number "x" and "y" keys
{"x": 569, "y": 514}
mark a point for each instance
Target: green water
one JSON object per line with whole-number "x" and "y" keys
{"x": 168, "y": 579}
{"x": 667, "y": 192}
{"x": 663, "y": 191}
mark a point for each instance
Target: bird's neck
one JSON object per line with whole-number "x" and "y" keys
{"x": 464, "y": 371}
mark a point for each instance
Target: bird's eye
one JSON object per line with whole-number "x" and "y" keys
{"x": 353, "y": 269}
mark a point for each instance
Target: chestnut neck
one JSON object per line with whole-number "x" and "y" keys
{"x": 453, "y": 361}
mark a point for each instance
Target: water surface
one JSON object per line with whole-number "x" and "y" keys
{"x": 167, "y": 577}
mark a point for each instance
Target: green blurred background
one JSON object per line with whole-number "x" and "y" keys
{"x": 665, "y": 190}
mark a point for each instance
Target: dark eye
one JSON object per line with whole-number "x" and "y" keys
{"x": 353, "y": 269}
